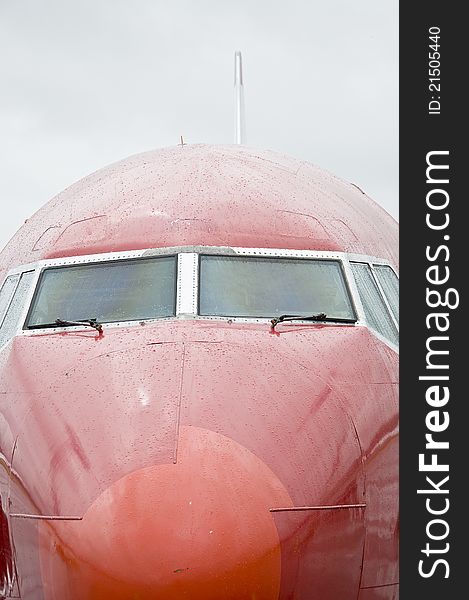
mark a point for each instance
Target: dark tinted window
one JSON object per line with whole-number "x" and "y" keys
{"x": 115, "y": 291}
{"x": 268, "y": 287}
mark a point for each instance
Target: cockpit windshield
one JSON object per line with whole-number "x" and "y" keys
{"x": 197, "y": 282}
{"x": 124, "y": 290}
{"x": 240, "y": 286}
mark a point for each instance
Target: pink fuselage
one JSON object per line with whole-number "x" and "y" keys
{"x": 199, "y": 458}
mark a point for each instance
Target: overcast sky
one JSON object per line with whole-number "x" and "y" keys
{"x": 84, "y": 83}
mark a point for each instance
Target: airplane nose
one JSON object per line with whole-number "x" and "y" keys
{"x": 197, "y": 529}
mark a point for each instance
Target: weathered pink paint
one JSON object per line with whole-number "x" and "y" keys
{"x": 174, "y": 493}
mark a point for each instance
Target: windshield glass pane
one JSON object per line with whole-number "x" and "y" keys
{"x": 6, "y": 294}
{"x": 269, "y": 287}
{"x": 390, "y": 283}
{"x": 376, "y": 313}
{"x": 116, "y": 291}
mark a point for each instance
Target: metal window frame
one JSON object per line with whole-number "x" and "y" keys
{"x": 340, "y": 263}
{"x": 187, "y": 280}
{"x": 108, "y": 262}
{"x": 188, "y": 268}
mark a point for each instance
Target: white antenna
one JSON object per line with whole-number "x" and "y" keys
{"x": 240, "y": 125}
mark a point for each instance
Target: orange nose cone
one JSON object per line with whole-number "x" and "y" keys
{"x": 197, "y": 529}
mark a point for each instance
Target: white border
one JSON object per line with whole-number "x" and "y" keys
{"x": 186, "y": 302}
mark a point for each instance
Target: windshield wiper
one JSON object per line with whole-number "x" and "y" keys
{"x": 321, "y": 317}
{"x": 64, "y": 323}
